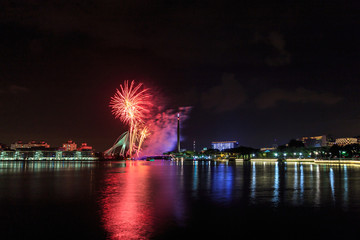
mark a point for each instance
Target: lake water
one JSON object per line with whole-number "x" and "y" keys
{"x": 178, "y": 200}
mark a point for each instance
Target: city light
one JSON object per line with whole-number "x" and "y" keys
{"x": 47, "y": 155}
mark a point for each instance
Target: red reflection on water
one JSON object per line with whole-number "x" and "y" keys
{"x": 126, "y": 207}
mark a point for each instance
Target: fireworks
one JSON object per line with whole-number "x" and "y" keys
{"x": 131, "y": 104}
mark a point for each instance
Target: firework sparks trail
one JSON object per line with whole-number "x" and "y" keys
{"x": 130, "y": 104}
{"x": 133, "y": 105}
{"x": 143, "y": 134}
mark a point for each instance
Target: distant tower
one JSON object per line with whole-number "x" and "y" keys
{"x": 194, "y": 149}
{"x": 178, "y": 133}
{"x": 275, "y": 144}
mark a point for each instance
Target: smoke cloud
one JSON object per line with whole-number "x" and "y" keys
{"x": 163, "y": 127}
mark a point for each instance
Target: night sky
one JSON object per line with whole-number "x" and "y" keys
{"x": 253, "y": 71}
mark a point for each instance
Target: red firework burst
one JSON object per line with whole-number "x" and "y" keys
{"x": 131, "y": 103}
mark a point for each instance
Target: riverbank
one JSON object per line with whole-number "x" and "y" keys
{"x": 337, "y": 161}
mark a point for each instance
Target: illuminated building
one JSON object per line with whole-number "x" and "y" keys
{"x": 69, "y": 146}
{"x": 84, "y": 147}
{"x": 221, "y": 145}
{"x": 267, "y": 149}
{"x": 318, "y": 141}
{"x": 346, "y": 141}
{"x": 46, "y": 155}
{"x": 31, "y": 144}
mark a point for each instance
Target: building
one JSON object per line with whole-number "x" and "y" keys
{"x": 69, "y": 146}
{"x": 85, "y": 147}
{"x": 51, "y": 155}
{"x": 267, "y": 149}
{"x": 221, "y": 145}
{"x": 31, "y": 144}
{"x": 346, "y": 141}
{"x": 318, "y": 141}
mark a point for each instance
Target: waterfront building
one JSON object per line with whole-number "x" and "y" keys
{"x": 267, "y": 149}
{"x": 346, "y": 141}
{"x": 221, "y": 145}
{"x": 69, "y": 146}
{"x": 85, "y": 147}
{"x": 31, "y": 144}
{"x": 43, "y": 155}
{"x": 318, "y": 141}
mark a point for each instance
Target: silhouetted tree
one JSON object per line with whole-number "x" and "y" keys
{"x": 211, "y": 151}
{"x": 334, "y": 150}
{"x": 295, "y": 144}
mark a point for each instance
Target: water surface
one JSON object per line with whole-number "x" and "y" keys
{"x": 178, "y": 200}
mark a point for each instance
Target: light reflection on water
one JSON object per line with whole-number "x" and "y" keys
{"x": 141, "y": 200}
{"x": 127, "y": 207}
{"x": 297, "y": 184}
{"x": 34, "y": 181}
{"x": 149, "y": 196}
{"x": 41, "y": 166}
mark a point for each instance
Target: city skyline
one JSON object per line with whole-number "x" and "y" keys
{"x": 250, "y": 72}
{"x": 308, "y": 141}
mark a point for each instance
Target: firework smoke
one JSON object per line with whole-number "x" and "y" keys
{"x": 163, "y": 136}
{"x": 133, "y": 105}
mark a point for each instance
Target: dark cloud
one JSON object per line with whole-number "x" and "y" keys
{"x": 226, "y": 96}
{"x": 14, "y": 89}
{"x": 276, "y": 53}
{"x": 281, "y": 56}
{"x": 301, "y": 95}
{"x": 182, "y": 32}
